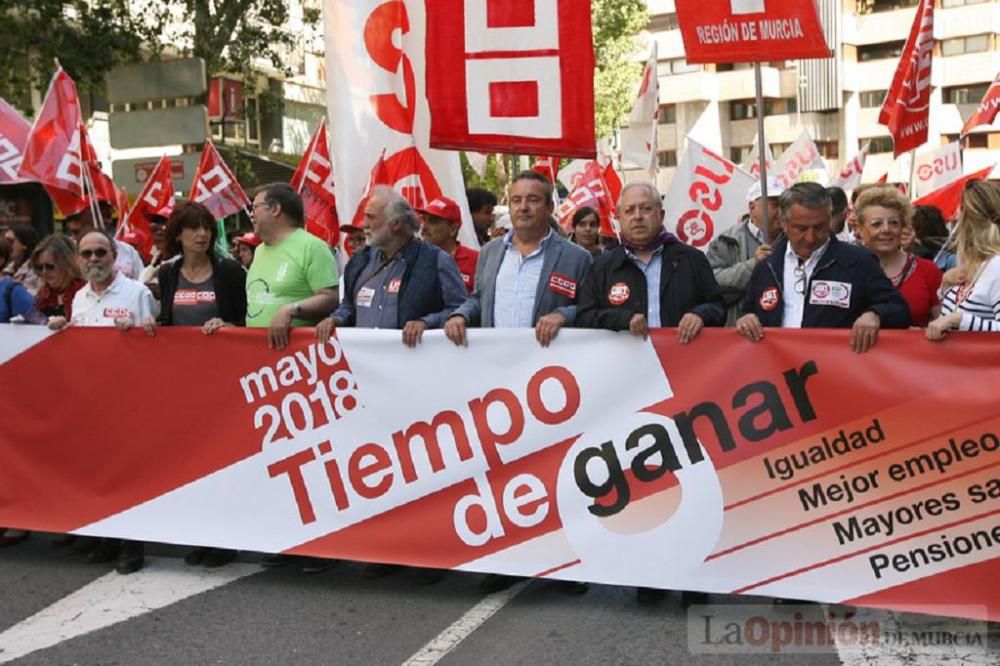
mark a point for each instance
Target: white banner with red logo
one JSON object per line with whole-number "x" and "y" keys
{"x": 906, "y": 110}
{"x": 724, "y": 31}
{"x": 14, "y": 130}
{"x": 375, "y": 57}
{"x": 801, "y": 161}
{"x": 721, "y": 465}
{"x": 707, "y": 196}
{"x": 752, "y": 163}
{"x": 850, "y": 176}
{"x": 513, "y": 76}
{"x": 937, "y": 168}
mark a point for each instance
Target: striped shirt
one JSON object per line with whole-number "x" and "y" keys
{"x": 981, "y": 306}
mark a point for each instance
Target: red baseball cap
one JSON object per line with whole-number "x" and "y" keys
{"x": 444, "y": 208}
{"x": 250, "y": 238}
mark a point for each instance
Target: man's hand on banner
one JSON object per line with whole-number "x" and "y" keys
{"x": 277, "y": 332}
{"x": 749, "y": 327}
{"x": 454, "y": 329}
{"x": 689, "y": 327}
{"x": 212, "y": 325}
{"x": 324, "y": 330}
{"x": 57, "y": 323}
{"x": 548, "y": 327}
{"x": 864, "y": 333}
{"x": 412, "y": 332}
{"x": 638, "y": 326}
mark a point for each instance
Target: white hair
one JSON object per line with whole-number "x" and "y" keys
{"x": 397, "y": 208}
{"x": 650, "y": 189}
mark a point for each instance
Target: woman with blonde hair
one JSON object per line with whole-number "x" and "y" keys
{"x": 55, "y": 262}
{"x": 883, "y": 217}
{"x": 971, "y": 299}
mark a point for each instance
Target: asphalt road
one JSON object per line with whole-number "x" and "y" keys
{"x": 57, "y": 609}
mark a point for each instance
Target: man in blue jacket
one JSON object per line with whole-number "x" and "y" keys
{"x": 813, "y": 280}
{"x": 530, "y": 277}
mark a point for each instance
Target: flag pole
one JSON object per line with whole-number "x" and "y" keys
{"x": 761, "y": 151}
{"x": 913, "y": 166}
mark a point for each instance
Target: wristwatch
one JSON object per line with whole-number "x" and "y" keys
{"x": 296, "y": 310}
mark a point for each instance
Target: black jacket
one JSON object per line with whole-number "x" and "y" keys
{"x": 855, "y": 266}
{"x": 229, "y": 280}
{"x": 616, "y": 290}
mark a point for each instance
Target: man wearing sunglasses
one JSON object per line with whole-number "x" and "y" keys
{"x": 813, "y": 280}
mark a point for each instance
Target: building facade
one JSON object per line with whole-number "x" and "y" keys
{"x": 837, "y": 100}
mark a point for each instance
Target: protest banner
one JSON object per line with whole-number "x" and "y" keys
{"x": 937, "y": 168}
{"x": 721, "y": 465}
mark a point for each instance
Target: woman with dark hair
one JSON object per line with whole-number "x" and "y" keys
{"x": 199, "y": 288}
{"x": 55, "y": 262}
{"x": 22, "y": 239}
{"x": 971, "y": 300}
{"x": 587, "y": 229}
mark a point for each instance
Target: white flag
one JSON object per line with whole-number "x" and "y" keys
{"x": 937, "y": 168}
{"x": 478, "y": 162}
{"x": 850, "y": 176}
{"x": 377, "y": 102}
{"x": 801, "y": 162}
{"x": 752, "y": 163}
{"x": 639, "y": 138}
{"x": 707, "y": 196}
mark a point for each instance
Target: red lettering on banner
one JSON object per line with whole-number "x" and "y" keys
{"x": 490, "y": 439}
{"x": 514, "y": 99}
{"x": 570, "y": 389}
{"x": 428, "y": 432}
{"x": 358, "y": 472}
{"x": 696, "y": 227}
{"x": 379, "y": 28}
{"x": 292, "y": 468}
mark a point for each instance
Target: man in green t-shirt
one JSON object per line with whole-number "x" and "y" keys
{"x": 293, "y": 278}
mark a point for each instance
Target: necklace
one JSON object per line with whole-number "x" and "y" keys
{"x": 904, "y": 272}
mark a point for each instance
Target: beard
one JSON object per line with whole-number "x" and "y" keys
{"x": 97, "y": 273}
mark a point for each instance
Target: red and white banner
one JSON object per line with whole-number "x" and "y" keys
{"x": 800, "y": 161}
{"x": 14, "y": 130}
{"x": 313, "y": 179}
{"x": 906, "y": 109}
{"x": 511, "y": 76}
{"x": 850, "y": 176}
{"x": 589, "y": 188}
{"x": 987, "y": 109}
{"x": 375, "y": 55}
{"x": 739, "y": 465}
{"x": 547, "y": 166}
{"x": 937, "y": 168}
{"x": 724, "y": 31}
{"x": 639, "y": 138}
{"x": 752, "y": 163}
{"x": 948, "y": 199}
{"x": 215, "y": 186}
{"x": 707, "y": 196}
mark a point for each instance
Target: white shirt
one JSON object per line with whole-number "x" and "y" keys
{"x": 795, "y": 302}
{"x": 122, "y": 298}
{"x": 128, "y": 261}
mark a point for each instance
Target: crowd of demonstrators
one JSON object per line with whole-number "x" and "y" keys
{"x": 587, "y": 230}
{"x": 883, "y": 214}
{"x": 56, "y": 262}
{"x": 813, "y": 280}
{"x": 22, "y": 239}
{"x": 481, "y": 205}
{"x": 442, "y": 220}
{"x": 971, "y": 301}
{"x": 737, "y": 251}
{"x": 293, "y": 279}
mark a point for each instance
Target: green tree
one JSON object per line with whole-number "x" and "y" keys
{"x": 89, "y": 37}
{"x": 615, "y": 25}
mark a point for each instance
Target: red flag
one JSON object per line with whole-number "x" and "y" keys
{"x": 215, "y": 186}
{"x": 156, "y": 198}
{"x": 547, "y": 167}
{"x": 103, "y": 186}
{"x": 613, "y": 182}
{"x": 949, "y": 197}
{"x": 123, "y": 209}
{"x": 14, "y": 130}
{"x": 379, "y": 176}
{"x": 52, "y": 149}
{"x": 591, "y": 191}
{"x": 313, "y": 179}
{"x": 907, "y": 106}
{"x": 984, "y": 113}
{"x": 510, "y": 76}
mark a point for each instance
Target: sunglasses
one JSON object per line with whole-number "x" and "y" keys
{"x": 100, "y": 253}
{"x": 44, "y": 267}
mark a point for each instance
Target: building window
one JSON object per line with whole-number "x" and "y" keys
{"x": 667, "y": 158}
{"x": 885, "y": 5}
{"x": 778, "y": 148}
{"x": 964, "y": 94}
{"x": 879, "y": 144}
{"x": 960, "y": 45}
{"x": 872, "y": 99}
{"x": 880, "y": 51}
{"x": 959, "y": 3}
{"x": 662, "y": 23}
{"x": 739, "y": 154}
{"x": 829, "y": 149}
{"x": 742, "y": 110}
{"x": 668, "y": 114}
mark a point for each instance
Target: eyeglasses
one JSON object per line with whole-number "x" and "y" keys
{"x": 100, "y": 253}
{"x": 44, "y": 267}
{"x": 800, "y": 278}
{"x": 258, "y": 204}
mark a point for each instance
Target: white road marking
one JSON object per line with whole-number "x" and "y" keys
{"x": 459, "y": 630}
{"x": 114, "y": 598}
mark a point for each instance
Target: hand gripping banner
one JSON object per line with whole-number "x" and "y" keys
{"x": 790, "y": 468}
